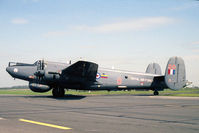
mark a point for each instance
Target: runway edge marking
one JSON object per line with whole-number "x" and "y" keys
{"x": 45, "y": 124}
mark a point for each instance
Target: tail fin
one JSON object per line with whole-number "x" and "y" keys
{"x": 154, "y": 68}
{"x": 175, "y": 75}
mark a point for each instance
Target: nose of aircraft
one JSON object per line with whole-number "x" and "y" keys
{"x": 20, "y": 71}
{"x": 9, "y": 70}
{"x": 12, "y": 71}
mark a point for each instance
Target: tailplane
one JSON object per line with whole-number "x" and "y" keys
{"x": 175, "y": 75}
{"x": 154, "y": 68}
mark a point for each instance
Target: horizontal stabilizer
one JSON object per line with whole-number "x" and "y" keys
{"x": 154, "y": 68}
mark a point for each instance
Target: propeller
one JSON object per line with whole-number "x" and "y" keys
{"x": 40, "y": 70}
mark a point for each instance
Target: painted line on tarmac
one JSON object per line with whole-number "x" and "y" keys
{"x": 45, "y": 124}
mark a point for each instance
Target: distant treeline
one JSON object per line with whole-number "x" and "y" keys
{"x": 16, "y": 87}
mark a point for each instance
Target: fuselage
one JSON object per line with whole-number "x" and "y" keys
{"x": 84, "y": 75}
{"x": 106, "y": 79}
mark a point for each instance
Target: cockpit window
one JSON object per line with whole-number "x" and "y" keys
{"x": 36, "y": 63}
{"x": 18, "y": 64}
{"x": 40, "y": 64}
{"x": 12, "y": 64}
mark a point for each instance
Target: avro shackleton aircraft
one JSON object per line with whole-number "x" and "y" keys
{"x": 83, "y": 75}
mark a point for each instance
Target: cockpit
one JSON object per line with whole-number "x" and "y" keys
{"x": 37, "y": 62}
{"x": 10, "y": 64}
{"x": 40, "y": 64}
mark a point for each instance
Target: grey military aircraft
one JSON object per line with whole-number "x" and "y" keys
{"x": 83, "y": 75}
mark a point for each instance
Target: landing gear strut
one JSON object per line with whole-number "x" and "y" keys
{"x": 58, "y": 92}
{"x": 155, "y": 93}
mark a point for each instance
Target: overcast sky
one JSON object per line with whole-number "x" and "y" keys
{"x": 126, "y": 34}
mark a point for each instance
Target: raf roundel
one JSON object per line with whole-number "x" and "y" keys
{"x": 119, "y": 81}
{"x": 15, "y": 70}
{"x": 98, "y": 76}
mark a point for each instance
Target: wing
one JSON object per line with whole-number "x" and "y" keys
{"x": 82, "y": 70}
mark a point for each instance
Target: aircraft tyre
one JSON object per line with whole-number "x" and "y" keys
{"x": 155, "y": 93}
{"x": 58, "y": 92}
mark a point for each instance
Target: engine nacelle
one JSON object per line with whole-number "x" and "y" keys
{"x": 39, "y": 87}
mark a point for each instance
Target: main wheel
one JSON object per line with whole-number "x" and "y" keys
{"x": 58, "y": 92}
{"x": 155, "y": 93}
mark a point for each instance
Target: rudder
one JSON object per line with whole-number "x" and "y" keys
{"x": 175, "y": 75}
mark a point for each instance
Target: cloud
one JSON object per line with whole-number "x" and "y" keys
{"x": 196, "y": 50}
{"x": 55, "y": 33}
{"x": 129, "y": 25}
{"x": 19, "y": 21}
{"x": 191, "y": 57}
{"x": 35, "y": 0}
{"x": 25, "y": 1}
{"x": 195, "y": 43}
{"x": 194, "y": 46}
{"x": 122, "y": 26}
{"x": 186, "y": 6}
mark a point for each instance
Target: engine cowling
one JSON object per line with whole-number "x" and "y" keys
{"x": 39, "y": 87}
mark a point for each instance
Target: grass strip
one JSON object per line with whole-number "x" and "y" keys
{"x": 188, "y": 92}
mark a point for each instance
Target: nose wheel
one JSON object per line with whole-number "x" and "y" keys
{"x": 155, "y": 93}
{"x": 58, "y": 92}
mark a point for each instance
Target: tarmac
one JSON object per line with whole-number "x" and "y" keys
{"x": 98, "y": 114}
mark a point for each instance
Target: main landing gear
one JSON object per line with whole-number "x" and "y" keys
{"x": 58, "y": 92}
{"x": 155, "y": 93}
